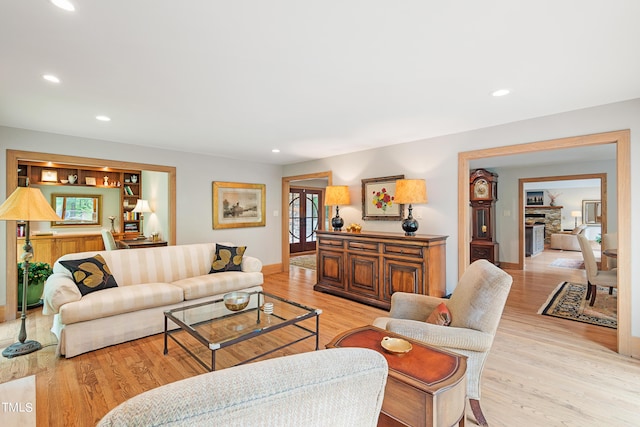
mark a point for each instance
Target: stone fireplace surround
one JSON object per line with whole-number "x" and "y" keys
{"x": 550, "y": 216}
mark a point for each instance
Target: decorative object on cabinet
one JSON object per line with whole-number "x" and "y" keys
{"x": 90, "y": 180}
{"x": 370, "y": 266}
{"x": 410, "y": 191}
{"x": 77, "y": 209}
{"x": 576, "y": 215}
{"x": 238, "y": 204}
{"x": 72, "y": 179}
{"x": 142, "y": 207}
{"x": 483, "y": 193}
{"x": 535, "y": 198}
{"x": 25, "y": 204}
{"x": 378, "y": 199}
{"x": 49, "y": 175}
{"x": 112, "y": 219}
{"x": 337, "y": 195}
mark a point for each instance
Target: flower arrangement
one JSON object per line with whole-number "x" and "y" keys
{"x": 382, "y": 199}
{"x": 38, "y": 272}
{"x": 553, "y": 197}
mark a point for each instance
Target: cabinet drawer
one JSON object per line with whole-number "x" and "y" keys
{"x": 410, "y": 251}
{"x": 363, "y": 246}
{"x": 330, "y": 243}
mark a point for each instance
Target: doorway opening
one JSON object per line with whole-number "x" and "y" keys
{"x": 305, "y": 217}
{"x": 318, "y": 181}
{"x": 621, "y": 140}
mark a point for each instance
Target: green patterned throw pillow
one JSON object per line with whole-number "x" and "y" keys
{"x": 227, "y": 258}
{"x": 90, "y": 274}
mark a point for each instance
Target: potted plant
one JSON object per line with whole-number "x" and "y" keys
{"x": 38, "y": 274}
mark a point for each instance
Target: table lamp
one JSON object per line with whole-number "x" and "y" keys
{"x": 25, "y": 204}
{"x": 576, "y": 215}
{"x": 142, "y": 207}
{"x": 410, "y": 191}
{"x": 336, "y": 195}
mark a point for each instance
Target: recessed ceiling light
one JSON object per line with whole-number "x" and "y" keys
{"x": 103, "y": 118}
{"x": 51, "y": 78}
{"x": 64, "y": 4}
{"x": 275, "y": 150}
{"x": 501, "y": 92}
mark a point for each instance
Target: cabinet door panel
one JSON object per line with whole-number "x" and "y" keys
{"x": 402, "y": 276}
{"x": 363, "y": 275}
{"x": 330, "y": 270}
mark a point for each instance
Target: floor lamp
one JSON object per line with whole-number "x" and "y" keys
{"x": 25, "y": 204}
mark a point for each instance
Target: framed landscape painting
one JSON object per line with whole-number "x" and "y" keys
{"x": 237, "y": 204}
{"x": 378, "y": 199}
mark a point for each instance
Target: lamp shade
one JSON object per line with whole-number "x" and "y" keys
{"x": 411, "y": 191}
{"x": 142, "y": 206}
{"x": 336, "y": 195}
{"x": 27, "y": 204}
{"x": 576, "y": 214}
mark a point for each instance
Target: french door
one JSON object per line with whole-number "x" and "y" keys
{"x": 305, "y": 216}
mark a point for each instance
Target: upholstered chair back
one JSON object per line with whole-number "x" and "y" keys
{"x": 590, "y": 263}
{"x": 478, "y": 300}
{"x": 109, "y": 241}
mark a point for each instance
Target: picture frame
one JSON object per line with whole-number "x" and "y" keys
{"x": 49, "y": 175}
{"x": 535, "y": 198}
{"x": 374, "y": 193}
{"x": 237, "y": 205}
{"x": 90, "y": 181}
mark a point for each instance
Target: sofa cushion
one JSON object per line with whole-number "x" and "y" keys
{"x": 227, "y": 258}
{"x": 216, "y": 284}
{"x": 123, "y": 299}
{"x": 90, "y": 274}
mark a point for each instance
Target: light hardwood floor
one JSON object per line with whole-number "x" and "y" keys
{"x": 542, "y": 371}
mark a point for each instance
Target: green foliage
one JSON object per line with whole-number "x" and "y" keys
{"x": 599, "y": 239}
{"x": 38, "y": 272}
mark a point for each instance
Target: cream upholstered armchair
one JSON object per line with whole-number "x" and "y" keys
{"x": 335, "y": 387}
{"x": 476, "y": 307}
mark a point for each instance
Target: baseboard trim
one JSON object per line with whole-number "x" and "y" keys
{"x": 272, "y": 269}
{"x": 509, "y": 265}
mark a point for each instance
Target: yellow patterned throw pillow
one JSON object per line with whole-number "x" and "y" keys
{"x": 227, "y": 258}
{"x": 90, "y": 274}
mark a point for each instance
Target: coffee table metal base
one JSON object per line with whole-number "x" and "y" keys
{"x": 255, "y": 332}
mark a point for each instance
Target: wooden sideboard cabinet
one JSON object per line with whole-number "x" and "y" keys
{"x": 48, "y": 248}
{"x": 370, "y": 267}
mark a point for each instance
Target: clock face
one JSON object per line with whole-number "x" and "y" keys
{"x": 481, "y": 189}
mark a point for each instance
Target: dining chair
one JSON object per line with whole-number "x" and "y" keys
{"x": 610, "y": 241}
{"x": 595, "y": 277}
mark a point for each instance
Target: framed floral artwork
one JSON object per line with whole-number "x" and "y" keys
{"x": 378, "y": 199}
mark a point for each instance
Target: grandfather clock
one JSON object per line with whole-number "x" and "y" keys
{"x": 483, "y": 193}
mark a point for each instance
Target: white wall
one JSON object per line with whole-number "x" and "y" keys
{"x": 155, "y": 189}
{"x": 195, "y": 172}
{"x": 436, "y": 159}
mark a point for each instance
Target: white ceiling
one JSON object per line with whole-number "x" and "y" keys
{"x": 312, "y": 78}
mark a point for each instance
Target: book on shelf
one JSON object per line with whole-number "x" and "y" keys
{"x": 128, "y": 191}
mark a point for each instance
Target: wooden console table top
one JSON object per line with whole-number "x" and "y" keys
{"x": 425, "y": 387}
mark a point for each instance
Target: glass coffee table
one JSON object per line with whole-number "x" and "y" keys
{"x": 215, "y": 327}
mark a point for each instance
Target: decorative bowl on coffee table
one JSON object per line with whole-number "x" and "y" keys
{"x": 236, "y": 301}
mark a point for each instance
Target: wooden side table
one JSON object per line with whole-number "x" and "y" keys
{"x": 425, "y": 387}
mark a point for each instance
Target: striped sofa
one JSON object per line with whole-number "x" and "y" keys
{"x": 150, "y": 281}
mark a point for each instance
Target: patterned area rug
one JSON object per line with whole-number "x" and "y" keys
{"x": 567, "y": 302}
{"x": 567, "y": 263}
{"x": 304, "y": 261}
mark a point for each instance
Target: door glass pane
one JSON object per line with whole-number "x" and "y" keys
{"x": 294, "y": 218}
